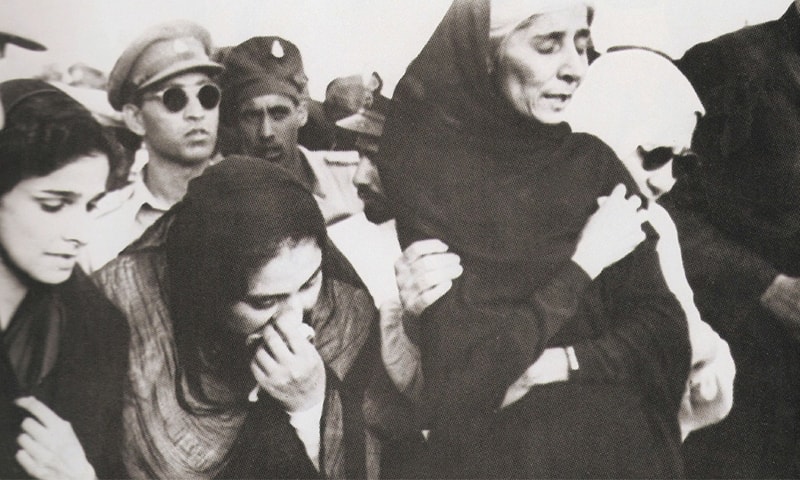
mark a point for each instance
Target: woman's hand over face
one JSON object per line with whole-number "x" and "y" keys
{"x": 49, "y": 448}
{"x": 611, "y": 233}
{"x": 288, "y": 366}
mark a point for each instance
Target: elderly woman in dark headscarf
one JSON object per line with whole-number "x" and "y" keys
{"x": 252, "y": 338}
{"x": 475, "y": 153}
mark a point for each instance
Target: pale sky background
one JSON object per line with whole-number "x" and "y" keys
{"x": 336, "y": 37}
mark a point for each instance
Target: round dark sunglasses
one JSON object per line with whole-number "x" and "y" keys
{"x": 659, "y": 156}
{"x": 176, "y": 98}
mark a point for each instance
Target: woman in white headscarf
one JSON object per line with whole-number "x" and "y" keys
{"x": 642, "y": 106}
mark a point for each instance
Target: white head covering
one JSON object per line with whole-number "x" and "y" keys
{"x": 506, "y": 15}
{"x": 627, "y": 94}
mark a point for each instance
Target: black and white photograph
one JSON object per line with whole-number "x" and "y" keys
{"x": 413, "y": 239}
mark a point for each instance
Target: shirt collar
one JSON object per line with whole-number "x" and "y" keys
{"x": 143, "y": 196}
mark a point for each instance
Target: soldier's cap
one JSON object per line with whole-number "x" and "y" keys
{"x": 364, "y": 122}
{"x": 262, "y": 66}
{"x": 22, "y": 42}
{"x": 345, "y": 96}
{"x": 162, "y": 51}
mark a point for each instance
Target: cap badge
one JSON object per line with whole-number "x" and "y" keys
{"x": 277, "y": 49}
{"x": 179, "y": 46}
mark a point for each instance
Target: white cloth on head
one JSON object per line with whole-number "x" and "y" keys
{"x": 623, "y": 89}
{"x": 505, "y": 15}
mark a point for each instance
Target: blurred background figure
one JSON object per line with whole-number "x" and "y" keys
{"x": 366, "y": 127}
{"x": 369, "y": 239}
{"x": 7, "y": 38}
{"x": 345, "y": 96}
{"x": 82, "y": 75}
{"x": 739, "y": 220}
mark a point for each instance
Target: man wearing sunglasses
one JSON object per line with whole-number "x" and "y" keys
{"x": 265, "y": 105}
{"x": 163, "y": 83}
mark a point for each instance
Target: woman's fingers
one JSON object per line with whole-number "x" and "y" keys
{"x": 612, "y": 232}
{"x": 38, "y": 452}
{"x": 421, "y": 248}
{"x": 263, "y": 361}
{"x": 39, "y": 410}
{"x": 431, "y": 273}
{"x": 49, "y": 447}
{"x": 31, "y": 466}
{"x": 36, "y": 430}
{"x": 424, "y": 273}
{"x": 427, "y": 298}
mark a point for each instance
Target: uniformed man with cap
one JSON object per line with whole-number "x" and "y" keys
{"x": 345, "y": 96}
{"x": 265, "y": 105}
{"x": 367, "y": 127}
{"x": 163, "y": 83}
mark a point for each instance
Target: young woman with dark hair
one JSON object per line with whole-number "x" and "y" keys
{"x": 253, "y": 340}
{"x": 64, "y": 348}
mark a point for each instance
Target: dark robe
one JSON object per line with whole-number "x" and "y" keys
{"x": 739, "y": 221}
{"x": 511, "y": 195}
{"x": 83, "y": 385}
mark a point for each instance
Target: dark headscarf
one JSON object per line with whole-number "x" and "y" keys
{"x": 460, "y": 164}
{"x": 234, "y": 218}
{"x": 511, "y": 196}
{"x": 179, "y": 277}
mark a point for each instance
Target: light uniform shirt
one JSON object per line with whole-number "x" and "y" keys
{"x": 333, "y": 188}
{"x": 372, "y": 250}
{"x": 123, "y": 216}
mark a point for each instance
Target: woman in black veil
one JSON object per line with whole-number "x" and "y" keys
{"x": 474, "y": 154}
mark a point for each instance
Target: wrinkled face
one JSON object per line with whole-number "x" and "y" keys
{"x": 187, "y": 136}
{"x": 652, "y": 162}
{"x": 541, "y": 63}
{"x": 368, "y": 182}
{"x": 45, "y": 221}
{"x": 290, "y": 282}
{"x": 268, "y": 125}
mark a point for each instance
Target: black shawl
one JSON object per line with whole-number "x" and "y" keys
{"x": 84, "y": 385}
{"x": 511, "y": 195}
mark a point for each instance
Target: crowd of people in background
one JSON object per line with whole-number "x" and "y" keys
{"x": 535, "y": 260}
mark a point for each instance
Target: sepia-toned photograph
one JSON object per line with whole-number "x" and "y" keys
{"x": 413, "y": 239}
